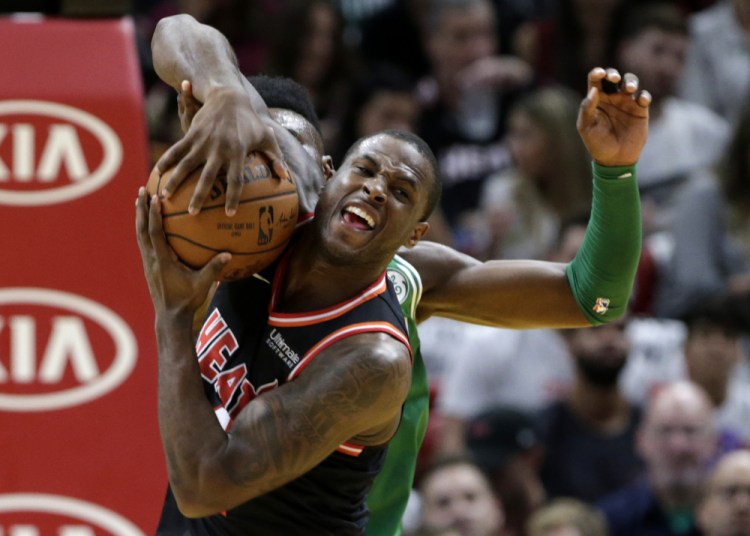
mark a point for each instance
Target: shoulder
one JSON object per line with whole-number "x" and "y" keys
{"x": 435, "y": 262}
{"x": 627, "y": 505}
{"x": 706, "y": 23}
{"x": 407, "y": 283}
{"x": 698, "y": 116}
{"x": 374, "y": 366}
{"x": 374, "y": 353}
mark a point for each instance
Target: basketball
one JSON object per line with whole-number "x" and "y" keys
{"x": 255, "y": 236}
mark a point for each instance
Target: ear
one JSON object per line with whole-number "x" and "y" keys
{"x": 327, "y": 166}
{"x": 416, "y": 234}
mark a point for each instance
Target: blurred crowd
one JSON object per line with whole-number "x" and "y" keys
{"x": 636, "y": 428}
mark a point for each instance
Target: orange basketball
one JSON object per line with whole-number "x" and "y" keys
{"x": 255, "y": 236}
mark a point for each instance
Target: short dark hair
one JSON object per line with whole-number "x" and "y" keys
{"x": 422, "y": 148}
{"x": 283, "y": 92}
{"x": 661, "y": 15}
{"x": 728, "y": 312}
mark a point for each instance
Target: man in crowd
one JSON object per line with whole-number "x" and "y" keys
{"x": 725, "y": 508}
{"x": 677, "y": 440}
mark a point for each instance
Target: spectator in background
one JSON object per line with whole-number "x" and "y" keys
{"x": 656, "y": 357}
{"x": 683, "y": 136}
{"x": 466, "y": 99}
{"x": 393, "y": 35}
{"x": 589, "y": 436}
{"x": 308, "y": 46}
{"x": 725, "y": 508}
{"x": 677, "y": 439}
{"x": 522, "y": 369}
{"x": 733, "y": 176}
{"x": 550, "y": 180}
{"x": 712, "y": 352}
{"x": 567, "y": 517}
{"x": 708, "y": 232}
{"x": 506, "y": 447}
{"x": 580, "y": 34}
{"x": 717, "y": 69}
{"x": 456, "y": 494}
{"x": 383, "y": 98}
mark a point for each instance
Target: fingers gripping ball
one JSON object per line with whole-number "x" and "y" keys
{"x": 255, "y": 236}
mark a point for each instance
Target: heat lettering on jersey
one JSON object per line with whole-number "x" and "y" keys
{"x": 215, "y": 345}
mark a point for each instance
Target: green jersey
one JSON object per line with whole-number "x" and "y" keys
{"x": 390, "y": 491}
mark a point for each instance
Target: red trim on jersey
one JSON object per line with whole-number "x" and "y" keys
{"x": 303, "y": 219}
{"x": 350, "y": 449}
{"x": 313, "y": 317}
{"x": 348, "y": 331}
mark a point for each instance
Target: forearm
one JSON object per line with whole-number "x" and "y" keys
{"x": 191, "y": 435}
{"x": 602, "y": 274}
{"x": 184, "y": 49}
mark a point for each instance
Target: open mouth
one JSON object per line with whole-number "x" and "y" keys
{"x": 358, "y": 218}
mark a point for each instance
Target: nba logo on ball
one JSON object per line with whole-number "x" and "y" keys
{"x": 265, "y": 226}
{"x": 255, "y": 235}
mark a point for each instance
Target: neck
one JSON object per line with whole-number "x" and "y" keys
{"x": 716, "y": 391}
{"x": 679, "y": 498}
{"x": 603, "y": 408}
{"x": 313, "y": 282}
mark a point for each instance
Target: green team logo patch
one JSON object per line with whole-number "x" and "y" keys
{"x": 400, "y": 285}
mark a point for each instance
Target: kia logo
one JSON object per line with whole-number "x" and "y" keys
{"x": 40, "y": 151}
{"x": 35, "y": 513}
{"x": 48, "y": 337}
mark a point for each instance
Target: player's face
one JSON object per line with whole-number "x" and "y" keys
{"x": 374, "y": 202}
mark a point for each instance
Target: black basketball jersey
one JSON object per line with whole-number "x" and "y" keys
{"x": 246, "y": 347}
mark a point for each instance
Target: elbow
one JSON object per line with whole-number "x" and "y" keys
{"x": 171, "y": 25}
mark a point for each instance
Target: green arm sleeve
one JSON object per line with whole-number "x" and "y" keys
{"x": 601, "y": 275}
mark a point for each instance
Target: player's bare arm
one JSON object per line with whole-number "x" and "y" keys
{"x": 353, "y": 390}
{"x": 514, "y": 294}
{"x": 529, "y": 294}
{"x": 233, "y": 119}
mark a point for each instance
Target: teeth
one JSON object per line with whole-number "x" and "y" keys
{"x": 362, "y": 214}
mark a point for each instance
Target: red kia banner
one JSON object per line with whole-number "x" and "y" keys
{"x": 79, "y": 441}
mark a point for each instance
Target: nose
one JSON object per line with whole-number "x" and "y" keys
{"x": 375, "y": 189}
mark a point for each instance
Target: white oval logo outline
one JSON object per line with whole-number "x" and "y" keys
{"x": 107, "y": 137}
{"x": 70, "y": 507}
{"x": 126, "y": 349}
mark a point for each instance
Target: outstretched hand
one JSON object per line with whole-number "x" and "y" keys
{"x": 613, "y": 118}
{"x": 175, "y": 288}
{"x": 220, "y": 133}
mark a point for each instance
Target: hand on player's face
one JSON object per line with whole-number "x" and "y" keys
{"x": 613, "y": 118}
{"x": 174, "y": 287}
{"x": 220, "y": 134}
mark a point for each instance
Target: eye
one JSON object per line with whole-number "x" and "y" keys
{"x": 401, "y": 193}
{"x": 363, "y": 170}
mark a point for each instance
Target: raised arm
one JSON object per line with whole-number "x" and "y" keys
{"x": 352, "y": 390}
{"x": 232, "y": 119}
{"x": 595, "y": 287}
